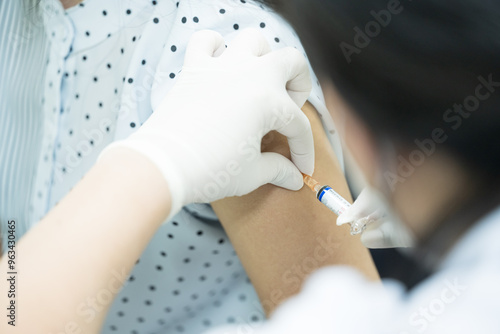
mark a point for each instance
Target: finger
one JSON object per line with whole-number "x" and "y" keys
{"x": 294, "y": 124}
{"x": 203, "y": 44}
{"x": 278, "y": 170}
{"x": 295, "y": 73}
{"x": 348, "y": 216}
{"x": 251, "y": 42}
{"x": 386, "y": 234}
{"x": 367, "y": 205}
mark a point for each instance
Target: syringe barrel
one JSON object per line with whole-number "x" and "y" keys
{"x": 332, "y": 200}
{"x": 336, "y": 203}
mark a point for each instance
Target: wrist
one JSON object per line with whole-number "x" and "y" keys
{"x": 154, "y": 160}
{"x": 138, "y": 176}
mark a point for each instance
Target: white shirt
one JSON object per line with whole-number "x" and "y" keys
{"x": 463, "y": 297}
{"x": 74, "y": 81}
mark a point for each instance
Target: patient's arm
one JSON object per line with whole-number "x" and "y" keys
{"x": 281, "y": 235}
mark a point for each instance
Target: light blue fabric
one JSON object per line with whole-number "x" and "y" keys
{"x": 23, "y": 56}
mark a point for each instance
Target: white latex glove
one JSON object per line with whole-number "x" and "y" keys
{"x": 206, "y": 134}
{"x": 381, "y": 231}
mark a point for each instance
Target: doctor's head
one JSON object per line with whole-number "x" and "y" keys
{"x": 414, "y": 87}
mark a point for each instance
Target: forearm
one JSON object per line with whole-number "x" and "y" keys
{"x": 86, "y": 246}
{"x": 281, "y": 236}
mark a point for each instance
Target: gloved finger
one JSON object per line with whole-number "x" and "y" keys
{"x": 356, "y": 211}
{"x": 203, "y": 44}
{"x": 348, "y": 216}
{"x": 278, "y": 170}
{"x": 294, "y": 71}
{"x": 249, "y": 41}
{"x": 364, "y": 206}
{"x": 294, "y": 124}
{"x": 385, "y": 234}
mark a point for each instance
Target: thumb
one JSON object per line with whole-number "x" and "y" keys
{"x": 278, "y": 170}
{"x": 349, "y": 215}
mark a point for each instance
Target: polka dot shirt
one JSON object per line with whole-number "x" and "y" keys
{"x": 105, "y": 66}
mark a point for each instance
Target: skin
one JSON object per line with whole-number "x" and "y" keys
{"x": 427, "y": 195}
{"x": 73, "y": 262}
{"x": 281, "y": 236}
{"x": 70, "y": 3}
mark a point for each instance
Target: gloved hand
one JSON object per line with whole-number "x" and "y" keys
{"x": 382, "y": 231}
{"x": 205, "y": 136}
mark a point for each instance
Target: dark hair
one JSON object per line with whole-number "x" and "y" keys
{"x": 421, "y": 61}
{"x": 405, "y": 67}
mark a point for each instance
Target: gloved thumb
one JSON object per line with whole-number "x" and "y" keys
{"x": 348, "y": 216}
{"x": 278, "y": 170}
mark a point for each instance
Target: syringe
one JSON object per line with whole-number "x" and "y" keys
{"x": 336, "y": 203}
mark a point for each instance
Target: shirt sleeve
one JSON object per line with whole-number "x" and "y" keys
{"x": 229, "y": 19}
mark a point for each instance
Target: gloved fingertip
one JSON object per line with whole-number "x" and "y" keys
{"x": 344, "y": 219}
{"x": 299, "y": 180}
{"x": 280, "y": 171}
{"x": 294, "y": 181}
{"x": 303, "y": 162}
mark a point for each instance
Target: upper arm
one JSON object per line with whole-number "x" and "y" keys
{"x": 282, "y": 235}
